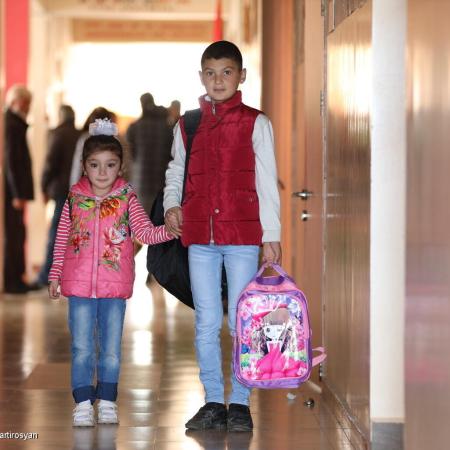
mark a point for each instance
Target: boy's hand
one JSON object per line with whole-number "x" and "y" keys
{"x": 272, "y": 252}
{"x": 53, "y": 289}
{"x": 174, "y": 221}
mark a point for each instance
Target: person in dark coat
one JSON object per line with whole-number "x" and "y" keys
{"x": 18, "y": 187}
{"x": 150, "y": 140}
{"x": 55, "y": 177}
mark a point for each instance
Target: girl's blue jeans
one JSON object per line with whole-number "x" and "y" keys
{"x": 205, "y": 268}
{"x": 96, "y": 326}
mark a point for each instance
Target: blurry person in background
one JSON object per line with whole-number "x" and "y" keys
{"x": 126, "y": 164}
{"x": 18, "y": 187}
{"x": 76, "y": 171}
{"x": 174, "y": 112}
{"x": 55, "y": 178}
{"x": 150, "y": 140}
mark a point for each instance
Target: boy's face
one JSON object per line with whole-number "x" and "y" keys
{"x": 221, "y": 78}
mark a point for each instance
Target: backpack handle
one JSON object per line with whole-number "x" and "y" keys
{"x": 319, "y": 358}
{"x": 272, "y": 280}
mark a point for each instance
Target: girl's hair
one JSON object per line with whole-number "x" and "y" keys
{"x": 97, "y": 113}
{"x": 277, "y": 317}
{"x": 102, "y": 143}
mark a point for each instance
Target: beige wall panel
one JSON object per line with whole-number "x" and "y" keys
{"x": 427, "y": 364}
{"x": 347, "y": 227}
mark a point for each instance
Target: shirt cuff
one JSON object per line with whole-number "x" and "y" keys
{"x": 170, "y": 204}
{"x": 55, "y": 274}
{"x": 271, "y": 236}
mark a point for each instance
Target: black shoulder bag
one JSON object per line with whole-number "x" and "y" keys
{"x": 168, "y": 261}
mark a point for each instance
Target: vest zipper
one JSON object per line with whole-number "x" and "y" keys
{"x": 95, "y": 262}
{"x": 211, "y": 237}
{"x": 210, "y": 217}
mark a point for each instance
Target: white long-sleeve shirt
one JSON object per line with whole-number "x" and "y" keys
{"x": 265, "y": 176}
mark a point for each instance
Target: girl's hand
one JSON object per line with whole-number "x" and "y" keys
{"x": 272, "y": 252}
{"x": 53, "y": 289}
{"x": 174, "y": 221}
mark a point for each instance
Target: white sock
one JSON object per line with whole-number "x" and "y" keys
{"x": 85, "y": 403}
{"x": 106, "y": 403}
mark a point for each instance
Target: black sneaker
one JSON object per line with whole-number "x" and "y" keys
{"x": 239, "y": 418}
{"x": 211, "y": 415}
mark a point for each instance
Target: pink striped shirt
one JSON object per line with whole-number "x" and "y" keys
{"x": 141, "y": 228}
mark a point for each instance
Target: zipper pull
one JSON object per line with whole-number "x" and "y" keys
{"x": 214, "y": 108}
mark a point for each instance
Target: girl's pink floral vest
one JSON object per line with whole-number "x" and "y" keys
{"x": 99, "y": 259}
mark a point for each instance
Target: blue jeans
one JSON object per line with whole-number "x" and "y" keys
{"x": 96, "y": 326}
{"x": 205, "y": 269}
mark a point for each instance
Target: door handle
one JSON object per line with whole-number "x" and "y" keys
{"x": 305, "y": 215}
{"x": 304, "y": 195}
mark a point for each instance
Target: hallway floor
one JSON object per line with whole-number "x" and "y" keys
{"x": 159, "y": 388}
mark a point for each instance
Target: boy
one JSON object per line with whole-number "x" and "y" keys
{"x": 230, "y": 208}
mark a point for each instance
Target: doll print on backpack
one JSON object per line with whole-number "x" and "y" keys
{"x": 274, "y": 342}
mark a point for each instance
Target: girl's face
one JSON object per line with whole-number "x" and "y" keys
{"x": 102, "y": 168}
{"x": 273, "y": 332}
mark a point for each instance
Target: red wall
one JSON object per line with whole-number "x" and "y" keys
{"x": 16, "y": 41}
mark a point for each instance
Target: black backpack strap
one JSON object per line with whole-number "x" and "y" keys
{"x": 191, "y": 122}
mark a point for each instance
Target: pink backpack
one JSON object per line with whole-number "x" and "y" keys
{"x": 272, "y": 346}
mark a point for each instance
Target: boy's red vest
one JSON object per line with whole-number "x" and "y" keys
{"x": 220, "y": 201}
{"x": 99, "y": 259}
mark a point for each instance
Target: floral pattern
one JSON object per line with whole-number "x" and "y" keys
{"x": 113, "y": 236}
{"x": 109, "y": 207}
{"x": 80, "y": 236}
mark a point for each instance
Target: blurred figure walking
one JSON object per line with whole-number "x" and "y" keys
{"x": 55, "y": 178}
{"x": 150, "y": 140}
{"x": 18, "y": 187}
{"x": 174, "y": 112}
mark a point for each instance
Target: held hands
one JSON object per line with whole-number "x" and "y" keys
{"x": 18, "y": 203}
{"x": 53, "y": 289}
{"x": 174, "y": 221}
{"x": 271, "y": 252}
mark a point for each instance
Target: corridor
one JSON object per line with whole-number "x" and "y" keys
{"x": 158, "y": 391}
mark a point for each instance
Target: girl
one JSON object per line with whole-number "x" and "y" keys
{"x": 93, "y": 265}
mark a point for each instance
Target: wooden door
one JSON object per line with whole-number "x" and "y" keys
{"x": 292, "y": 62}
{"x": 307, "y": 157}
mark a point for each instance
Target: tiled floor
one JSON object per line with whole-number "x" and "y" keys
{"x": 158, "y": 392}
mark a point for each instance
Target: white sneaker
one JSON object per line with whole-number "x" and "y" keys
{"x": 107, "y": 412}
{"x": 83, "y": 414}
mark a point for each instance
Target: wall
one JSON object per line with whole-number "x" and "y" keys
{"x": 2, "y": 92}
{"x": 427, "y": 359}
{"x": 347, "y": 220}
{"x": 388, "y": 197}
{"x": 38, "y": 76}
{"x": 16, "y": 41}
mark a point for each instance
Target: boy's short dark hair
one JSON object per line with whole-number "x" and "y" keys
{"x": 223, "y": 49}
